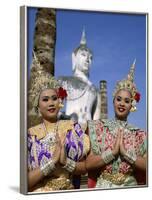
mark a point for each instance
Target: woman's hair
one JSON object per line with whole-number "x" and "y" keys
{"x": 45, "y": 81}
{"x": 41, "y": 80}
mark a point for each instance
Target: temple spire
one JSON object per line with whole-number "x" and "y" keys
{"x": 83, "y": 38}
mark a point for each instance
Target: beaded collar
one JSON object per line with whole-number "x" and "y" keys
{"x": 114, "y": 123}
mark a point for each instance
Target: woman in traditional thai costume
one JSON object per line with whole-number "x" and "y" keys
{"x": 118, "y": 149}
{"x": 56, "y": 148}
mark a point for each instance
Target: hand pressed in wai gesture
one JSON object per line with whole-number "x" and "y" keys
{"x": 119, "y": 147}
{"x": 122, "y": 149}
{"x": 63, "y": 153}
{"x": 57, "y": 151}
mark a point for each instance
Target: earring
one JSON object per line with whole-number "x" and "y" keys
{"x": 39, "y": 113}
{"x": 133, "y": 109}
{"x": 61, "y": 105}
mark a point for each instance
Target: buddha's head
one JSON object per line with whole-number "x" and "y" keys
{"x": 82, "y": 57}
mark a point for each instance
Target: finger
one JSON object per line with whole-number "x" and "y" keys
{"x": 64, "y": 139}
{"x": 57, "y": 137}
{"x": 120, "y": 132}
{"x": 121, "y": 136}
{"x": 117, "y": 142}
{"x": 58, "y": 141}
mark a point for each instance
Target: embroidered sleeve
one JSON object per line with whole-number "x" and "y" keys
{"x": 74, "y": 143}
{"x": 29, "y": 150}
{"x": 38, "y": 151}
{"x": 86, "y": 143}
{"x": 96, "y": 129}
{"x": 141, "y": 142}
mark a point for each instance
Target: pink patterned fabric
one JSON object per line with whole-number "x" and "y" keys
{"x": 106, "y": 134}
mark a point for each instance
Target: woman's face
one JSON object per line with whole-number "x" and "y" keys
{"x": 122, "y": 104}
{"x": 49, "y": 104}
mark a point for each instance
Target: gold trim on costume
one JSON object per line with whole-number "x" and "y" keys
{"x": 117, "y": 178}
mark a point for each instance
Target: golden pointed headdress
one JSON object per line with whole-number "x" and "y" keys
{"x": 41, "y": 80}
{"x": 128, "y": 84}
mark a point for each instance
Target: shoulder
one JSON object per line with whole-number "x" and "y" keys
{"x": 72, "y": 81}
{"x": 86, "y": 142}
{"x": 141, "y": 133}
{"x": 37, "y": 131}
{"x": 70, "y": 124}
{"x": 68, "y": 79}
{"x": 66, "y": 125}
{"x": 97, "y": 122}
{"x": 66, "y": 122}
{"x": 95, "y": 126}
{"x": 135, "y": 128}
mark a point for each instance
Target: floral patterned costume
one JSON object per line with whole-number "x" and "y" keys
{"x": 103, "y": 134}
{"x": 41, "y": 147}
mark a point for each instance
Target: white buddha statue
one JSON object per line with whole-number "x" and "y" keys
{"x": 83, "y": 101}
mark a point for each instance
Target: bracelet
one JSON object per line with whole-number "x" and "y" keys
{"x": 47, "y": 167}
{"x": 107, "y": 156}
{"x": 130, "y": 157}
{"x": 70, "y": 165}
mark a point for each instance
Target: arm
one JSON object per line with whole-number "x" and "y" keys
{"x": 94, "y": 162}
{"x": 34, "y": 177}
{"x": 98, "y": 161}
{"x": 80, "y": 168}
{"x": 141, "y": 162}
{"x": 47, "y": 168}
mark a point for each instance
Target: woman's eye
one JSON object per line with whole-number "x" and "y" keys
{"x": 45, "y": 99}
{"x": 118, "y": 99}
{"x": 127, "y": 101}
{"x": 54, "y": 98}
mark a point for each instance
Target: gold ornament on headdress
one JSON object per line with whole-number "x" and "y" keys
{"x": 128, "y": 84}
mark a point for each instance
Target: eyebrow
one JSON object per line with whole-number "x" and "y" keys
{"x": 44, "y": 96}
{"x": 54, "y": 95}
{"x": 124, "y": 98}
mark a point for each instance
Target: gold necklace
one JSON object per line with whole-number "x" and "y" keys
{"x": 50, "y": 137}
{"x": 55, "y": 128}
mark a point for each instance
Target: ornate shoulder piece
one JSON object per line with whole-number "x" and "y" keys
{"x": 86, "y": 143}
{"x": 65, "y": 125}
{"x": 93, "y": 122}
{"x": 132, "y": 127}
{"x": 92, "y": 129}
{"x": 38, "y": 131}
{"x": 105, "y": 121}
{"x": 111, "y": 124}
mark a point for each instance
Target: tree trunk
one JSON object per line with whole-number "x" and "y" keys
{"x": 45, "y": 38}
{"x": 43, "y": 52}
